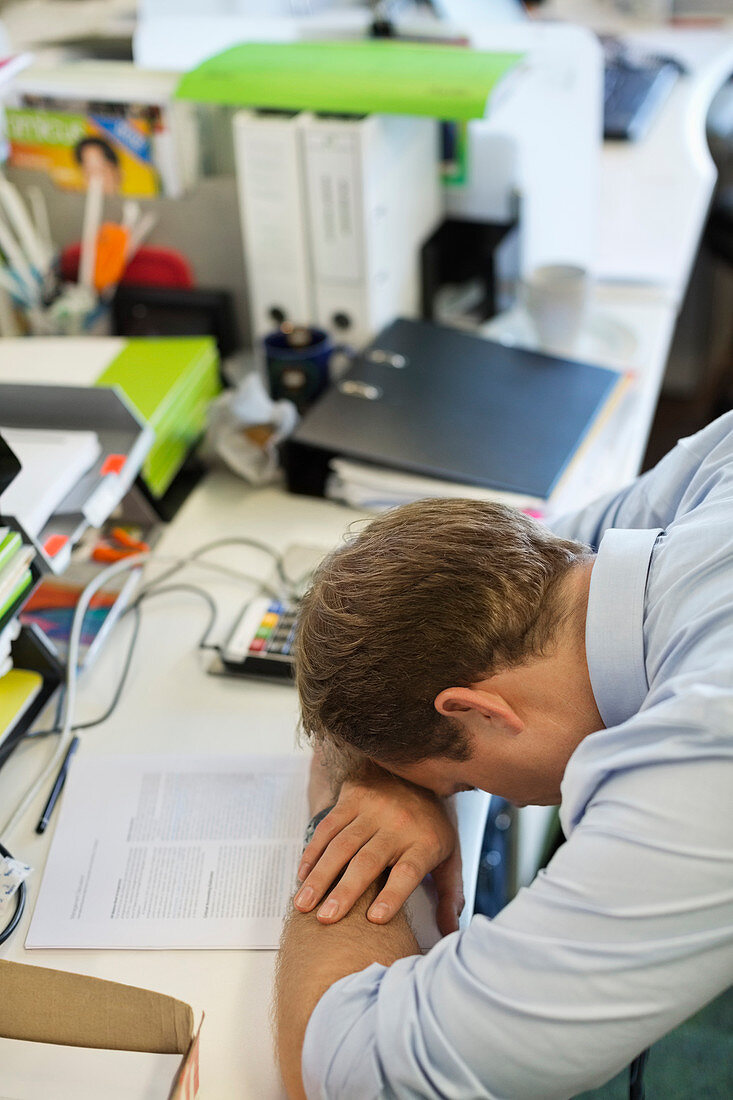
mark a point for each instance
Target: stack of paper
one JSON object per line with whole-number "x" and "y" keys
{"x": 15, "y": 574}
{"x": 374, "y": 488}
{"x": 52, "y": 462}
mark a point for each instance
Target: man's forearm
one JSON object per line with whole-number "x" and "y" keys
{"x": 313, "y": 957}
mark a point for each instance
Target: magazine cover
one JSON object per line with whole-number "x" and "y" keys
{"x": 73, "y": 140}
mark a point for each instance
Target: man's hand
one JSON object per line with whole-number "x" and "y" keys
{"x": 377, "y": 823}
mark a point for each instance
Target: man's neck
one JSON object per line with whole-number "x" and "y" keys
{"x": 555, "y": 689}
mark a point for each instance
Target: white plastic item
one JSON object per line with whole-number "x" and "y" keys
{"x": 245, "y": 427}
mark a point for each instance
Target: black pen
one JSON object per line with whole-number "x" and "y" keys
{"x": 58, "y": 786}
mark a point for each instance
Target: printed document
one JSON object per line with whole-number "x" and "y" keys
{"x": 173, "y": 852}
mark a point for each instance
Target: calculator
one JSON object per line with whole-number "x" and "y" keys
{"x": 261, "y": 643}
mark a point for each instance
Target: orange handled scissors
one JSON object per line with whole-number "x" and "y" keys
{"x": 120, "y": 544}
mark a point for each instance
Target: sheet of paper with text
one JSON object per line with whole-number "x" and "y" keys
{"x": 173, "y": 852}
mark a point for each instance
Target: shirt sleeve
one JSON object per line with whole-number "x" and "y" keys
{"x": 655, "y": 498}
{"x": 627, "y": 933}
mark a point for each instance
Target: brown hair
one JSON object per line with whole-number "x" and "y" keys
{"x": 434, "y": 594}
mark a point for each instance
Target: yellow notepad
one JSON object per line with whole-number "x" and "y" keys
{"x": 18, "y": 689}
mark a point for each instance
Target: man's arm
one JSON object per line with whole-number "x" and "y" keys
{"x": 312, "y": 957}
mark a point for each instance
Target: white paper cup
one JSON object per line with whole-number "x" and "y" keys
{"x": 555, "y": 297}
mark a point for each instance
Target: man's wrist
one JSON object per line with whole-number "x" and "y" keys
{"x": 314, "y": 822}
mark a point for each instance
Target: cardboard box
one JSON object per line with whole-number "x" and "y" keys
{"x": 140, "y": 1042}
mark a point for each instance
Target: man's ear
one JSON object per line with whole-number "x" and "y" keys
{"x": 472, "y": 703}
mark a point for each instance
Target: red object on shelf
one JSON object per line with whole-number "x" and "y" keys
{"x": 54, "y": 543}
{"x": 148, "y": 267}
{"x": 113, "y": 464}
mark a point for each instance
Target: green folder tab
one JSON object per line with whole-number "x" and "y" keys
{"x": 10, "y": 544}
{"x": 361, "y": 77}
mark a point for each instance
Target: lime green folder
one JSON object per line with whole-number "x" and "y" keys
{"x": 360, "y": 77}
{"x": 9, "y": 546}
{"x": 24, "y": 581}
{"x": 170, "y": 381}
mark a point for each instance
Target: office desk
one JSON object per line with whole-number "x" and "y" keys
{"x": 655, "y": 193}
{"x": 170, "y": 703}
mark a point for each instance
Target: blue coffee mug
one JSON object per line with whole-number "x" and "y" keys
{"x": 299, "y": 372}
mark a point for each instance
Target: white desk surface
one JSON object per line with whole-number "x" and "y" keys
{"x": 655, "y": 193}
{"x": 171, "y": 702}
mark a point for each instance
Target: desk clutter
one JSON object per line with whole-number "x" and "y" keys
{"x": 47, "y": 300}
{"x": 70, "y": 454}
{"x": 247, "y": 825}
{"x": 168, "y": 382}
{"x": 70, "y": 477}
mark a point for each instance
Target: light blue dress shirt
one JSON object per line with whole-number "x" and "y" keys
{"x": 630, "y": 928}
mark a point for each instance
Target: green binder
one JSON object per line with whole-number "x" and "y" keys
{"x": 171, "y": 382}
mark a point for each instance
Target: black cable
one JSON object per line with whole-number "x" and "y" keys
{"x": 118, "y": 690}
{"x": 123, "y": 676}
{"x": 149, "y": 593}
{"x": 215, "y": 544}
{"x": 155, "y": 589}
{"x": 19, "y": 904}
{"x": 636, "y": 1075}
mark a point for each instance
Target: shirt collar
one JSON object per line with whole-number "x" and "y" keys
{"x": 614, "y": 637}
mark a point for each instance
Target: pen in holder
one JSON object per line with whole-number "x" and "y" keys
{"x": 36, "y": 299}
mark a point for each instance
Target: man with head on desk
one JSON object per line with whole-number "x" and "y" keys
{"x": 455, "y": 644}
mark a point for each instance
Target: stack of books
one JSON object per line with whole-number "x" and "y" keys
{"x": 15, "y": 571}
{"x": 18, "y": 687}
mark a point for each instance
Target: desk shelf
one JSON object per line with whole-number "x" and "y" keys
{"x": 125, "y": 441}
